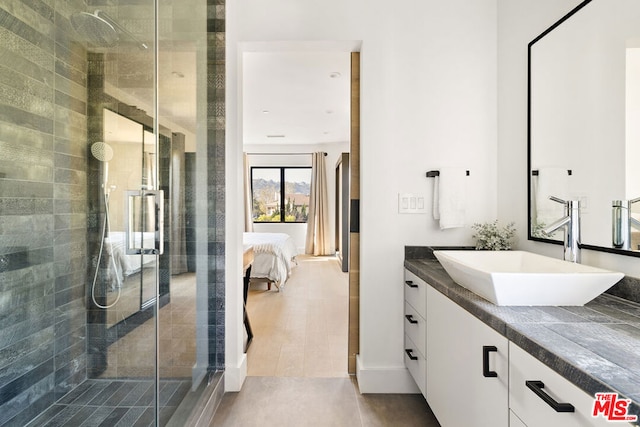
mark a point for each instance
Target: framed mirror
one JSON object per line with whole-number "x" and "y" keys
{"x": 132, "y": 166}
{"x": 584, "y": 125}
{"x": 130, "y": 160}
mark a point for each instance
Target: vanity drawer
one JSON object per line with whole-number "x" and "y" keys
{"x": 415, "y": 327}
{"x": 415, "y": 292}
{"x": 416, "y": 363}
{"x": 532, "y": 410}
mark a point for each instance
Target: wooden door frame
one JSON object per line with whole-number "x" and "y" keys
{"x": 354, "y": 217}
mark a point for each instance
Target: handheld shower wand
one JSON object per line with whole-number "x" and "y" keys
{"x": 104, "y": 153}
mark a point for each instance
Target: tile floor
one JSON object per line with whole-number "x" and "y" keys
{"x": 297, "y": 362}
{"x": 107, "y": 403}
{"x": 321, "y": 402}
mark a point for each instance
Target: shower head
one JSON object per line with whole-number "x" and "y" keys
{"x": 102, "y": 151}
{"x": 100, "y": 29}
{"x": 94, "y": 29}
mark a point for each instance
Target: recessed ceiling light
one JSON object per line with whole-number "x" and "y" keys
{"x": 334, "y": 75}
{"x": 265, "y": 111}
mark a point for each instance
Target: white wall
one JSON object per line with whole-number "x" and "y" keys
{"x": 428, "y": 100}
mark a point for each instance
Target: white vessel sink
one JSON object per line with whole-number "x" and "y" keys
{"x": 525, "y": 278}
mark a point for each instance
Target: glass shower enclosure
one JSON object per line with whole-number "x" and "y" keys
{"x": 108, "y": 157}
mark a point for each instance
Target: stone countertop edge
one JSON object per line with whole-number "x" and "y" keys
{"x": 523, "y": 325}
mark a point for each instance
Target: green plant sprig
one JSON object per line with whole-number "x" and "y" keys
{"x": 490, "y": 236}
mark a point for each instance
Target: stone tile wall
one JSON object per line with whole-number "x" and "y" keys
{"x": 216, "y": 179}
{"x": 42, "y": 208}
{"x": 190, "y": 201}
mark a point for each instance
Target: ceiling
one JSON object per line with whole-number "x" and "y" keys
{"x": 295, "y": 97}
{"x": 288, "y": 97}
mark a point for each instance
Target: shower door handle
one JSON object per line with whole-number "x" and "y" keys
{"x": 144, "y": 222}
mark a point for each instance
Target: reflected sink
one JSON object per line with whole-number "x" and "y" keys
{"x": 525, "y": 278}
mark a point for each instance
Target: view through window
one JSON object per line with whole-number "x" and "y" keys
{"x": 278, "y": 190}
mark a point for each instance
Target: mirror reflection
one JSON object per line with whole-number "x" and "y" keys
{"x": 131, "y": 165}
{"x": 584, "y": 124}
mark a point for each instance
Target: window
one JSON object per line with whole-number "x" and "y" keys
{"x": 275, "y": 190}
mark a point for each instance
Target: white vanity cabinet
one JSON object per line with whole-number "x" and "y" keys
{"x": 529, "y": 407}
{"x": 467, "y": 366}
{"x": 415, "y": 333}
{"x": 471, "y": 375}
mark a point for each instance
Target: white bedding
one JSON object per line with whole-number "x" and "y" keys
{"x": 274, "y": 254}
{"x": 126, "y": 265}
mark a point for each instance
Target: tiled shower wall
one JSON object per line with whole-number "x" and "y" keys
{"x": 42, "y": 208}
{"x": 190, "y": 202}
{"x": 216, "y": 182}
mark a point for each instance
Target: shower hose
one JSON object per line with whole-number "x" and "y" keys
{"x": 106, "y": 226}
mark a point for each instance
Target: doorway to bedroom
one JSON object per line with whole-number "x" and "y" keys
{"x": 295, "y": 103}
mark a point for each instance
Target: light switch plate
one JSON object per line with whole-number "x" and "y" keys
{"x": 410, "y": 203}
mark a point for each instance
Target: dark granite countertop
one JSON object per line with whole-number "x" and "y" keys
{"x": 596, "y": 347}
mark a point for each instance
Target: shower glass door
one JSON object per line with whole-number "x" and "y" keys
{"x": 104, "y": 128}
{"x": 143, "y": 101}
{"x": 125, "y": 215}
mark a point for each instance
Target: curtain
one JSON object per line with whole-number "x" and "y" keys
{"x": 248, "y": 214}
{"x": 318, "y": 242}
{"x": 178, "y": 224}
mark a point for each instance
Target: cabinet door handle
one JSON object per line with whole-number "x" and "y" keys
{"x": 410, "y": 354}
{"x": 537, "y": 388}
{"x": 410, "y": 284}
{"x": 410, "y": 318}
{"x": 486, "y": 371}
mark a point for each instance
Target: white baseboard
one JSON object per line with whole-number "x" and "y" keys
{"x": 385, "y": 380}
{"x": 234, "y": 376}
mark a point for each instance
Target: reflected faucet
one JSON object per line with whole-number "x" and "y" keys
{"x": 622, "y": 223}
{"x": 571, "y": 223}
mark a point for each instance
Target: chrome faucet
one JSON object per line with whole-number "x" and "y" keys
{"x": 571, "y": 223}
{"x": 622, "y": 223}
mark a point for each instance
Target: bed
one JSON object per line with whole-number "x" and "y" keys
{"x": 125, "y": 265}
{"x": 274, "y": 256}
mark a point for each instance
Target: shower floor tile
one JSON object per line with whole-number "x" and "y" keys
{"x": 107, "y": 403}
